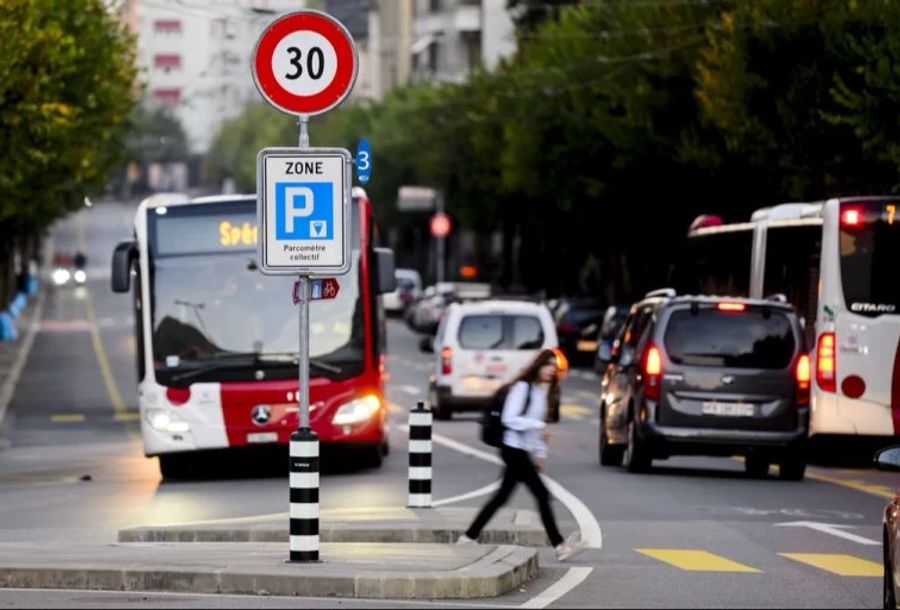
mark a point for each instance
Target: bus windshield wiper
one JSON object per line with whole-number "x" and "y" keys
{"x": 237, "y": 359}
{"x": 218, "y": 362}
{"x": 293, "y": 358}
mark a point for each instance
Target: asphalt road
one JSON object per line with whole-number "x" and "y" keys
{"x": 695, "y": 532}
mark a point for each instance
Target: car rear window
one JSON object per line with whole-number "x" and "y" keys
{"x": 582, "y": 316}
{"x": 497, "y": 331}
{"x": 755, "y": 338}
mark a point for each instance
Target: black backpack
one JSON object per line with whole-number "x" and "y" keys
{"x": 492, "y": 421}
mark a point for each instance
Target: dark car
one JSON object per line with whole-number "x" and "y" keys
{"x": 889, "y": 460}
{"x": 577, "y": 324}
{"x": 697, "y": 375}
{"x": 613, "y": 321}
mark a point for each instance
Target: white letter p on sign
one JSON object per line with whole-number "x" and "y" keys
{"x": 292, "y": 210}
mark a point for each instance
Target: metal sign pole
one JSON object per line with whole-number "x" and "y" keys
{"x": 304, "y": 311}
{"x": 304, "y": 446}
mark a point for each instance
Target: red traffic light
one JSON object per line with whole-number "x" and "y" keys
{"x": 440, "y": 225}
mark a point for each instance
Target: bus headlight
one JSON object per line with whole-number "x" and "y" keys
{"x": 61, "y": 276}
{"x": 357, "y": 411}
{"x": 164, "y": 421}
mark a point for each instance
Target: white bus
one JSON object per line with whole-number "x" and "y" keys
{"x": 838, "y": 262}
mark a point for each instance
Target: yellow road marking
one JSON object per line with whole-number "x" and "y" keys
{"x": 67, "y": 418}
{"x": 576, "y": 412}
{"x": 115, "y": 397}
{"x": 695, "y": 560}
{"x": 842, "y": 565}
{"x": 873, "y": 489}
{"x": 395, "y": 408}
{"x": 112, "y": 388}
{"x": 126, "y": 416}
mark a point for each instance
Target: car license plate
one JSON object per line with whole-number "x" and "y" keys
{"x": 262, "y": 437}
{"x": 728, "y": 409}
{"x": 480, "y": 384}
{"x": 587, "y": 346}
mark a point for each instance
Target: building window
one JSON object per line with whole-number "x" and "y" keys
{"x": 167, "y": 62}
{"x": 435, "y": 6}
{"x": 167, "y": 96}
{"x": 433, "y": 58}
{"x": 472, "y": 45}
{"x": 167, "y": 26}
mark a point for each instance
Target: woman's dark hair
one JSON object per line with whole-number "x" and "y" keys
{"x": 530, "y": 373}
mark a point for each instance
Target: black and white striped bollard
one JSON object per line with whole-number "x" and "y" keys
{"x": 420, "y": 457}
{"x": 304, "y": 489}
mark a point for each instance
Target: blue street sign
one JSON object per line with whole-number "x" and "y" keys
{"x": 303, "y": 210}
{"x": 363, "y": 161}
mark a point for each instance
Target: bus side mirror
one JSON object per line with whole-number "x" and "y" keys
{"x": 122, "y": 258}
{"x": 385, "y": 278}
{"x": 888, "y": 459}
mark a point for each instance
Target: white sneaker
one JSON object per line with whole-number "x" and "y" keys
{"x": 572, "y": 546}
{"x": 465, "y": 541}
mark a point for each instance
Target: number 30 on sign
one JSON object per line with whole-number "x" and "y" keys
{"x": 305, "y": 63}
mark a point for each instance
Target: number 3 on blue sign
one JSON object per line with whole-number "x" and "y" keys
{"x": 363, "y": 161}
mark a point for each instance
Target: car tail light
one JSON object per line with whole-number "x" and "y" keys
{"x": 566, "y": 329}
{"x": 826, "y": 363}
{"x": 446, "y": 361}
{"x": 562, "y": 363}
{"x": 652, "y": 369}
{"x": 803, "y": 377}
{"x": 732, "y": 307}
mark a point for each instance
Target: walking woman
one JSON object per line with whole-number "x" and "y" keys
{"x": 524, "y": 451}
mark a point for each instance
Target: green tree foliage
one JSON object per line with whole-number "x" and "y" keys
{"x": 154, "y": 136}
{"x": 806, "y": 93}
{"x": 618, "y": 121}
{"x": 232, "y": 153}
{"x": 66, "y": 85}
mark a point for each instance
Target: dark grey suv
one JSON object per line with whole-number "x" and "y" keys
{"x": 695, "y": 375}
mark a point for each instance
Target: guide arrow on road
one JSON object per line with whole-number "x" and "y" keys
{"x": 832, "y": 529}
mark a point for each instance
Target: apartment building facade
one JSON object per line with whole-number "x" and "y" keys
{"x": 194, "y": 57}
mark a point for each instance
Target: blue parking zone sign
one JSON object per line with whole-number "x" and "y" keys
{"x": 304, "y": 210}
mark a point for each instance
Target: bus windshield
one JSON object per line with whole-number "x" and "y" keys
{"x": 216, "y": 317}
{"x": 870, "y": 251}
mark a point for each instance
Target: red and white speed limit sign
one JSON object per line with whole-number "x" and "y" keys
{"x": 305, "y": 63}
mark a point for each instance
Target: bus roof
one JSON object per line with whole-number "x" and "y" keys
{"x": 782, "y": 215}
{"x": 789, "y": 211}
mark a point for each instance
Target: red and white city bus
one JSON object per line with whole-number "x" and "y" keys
{"x": 217, "y": 340}
{"x": 837, "y": 262}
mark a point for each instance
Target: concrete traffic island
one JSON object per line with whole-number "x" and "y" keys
{"x": 403, "y": 525}
{"x": 362, "y": 570}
